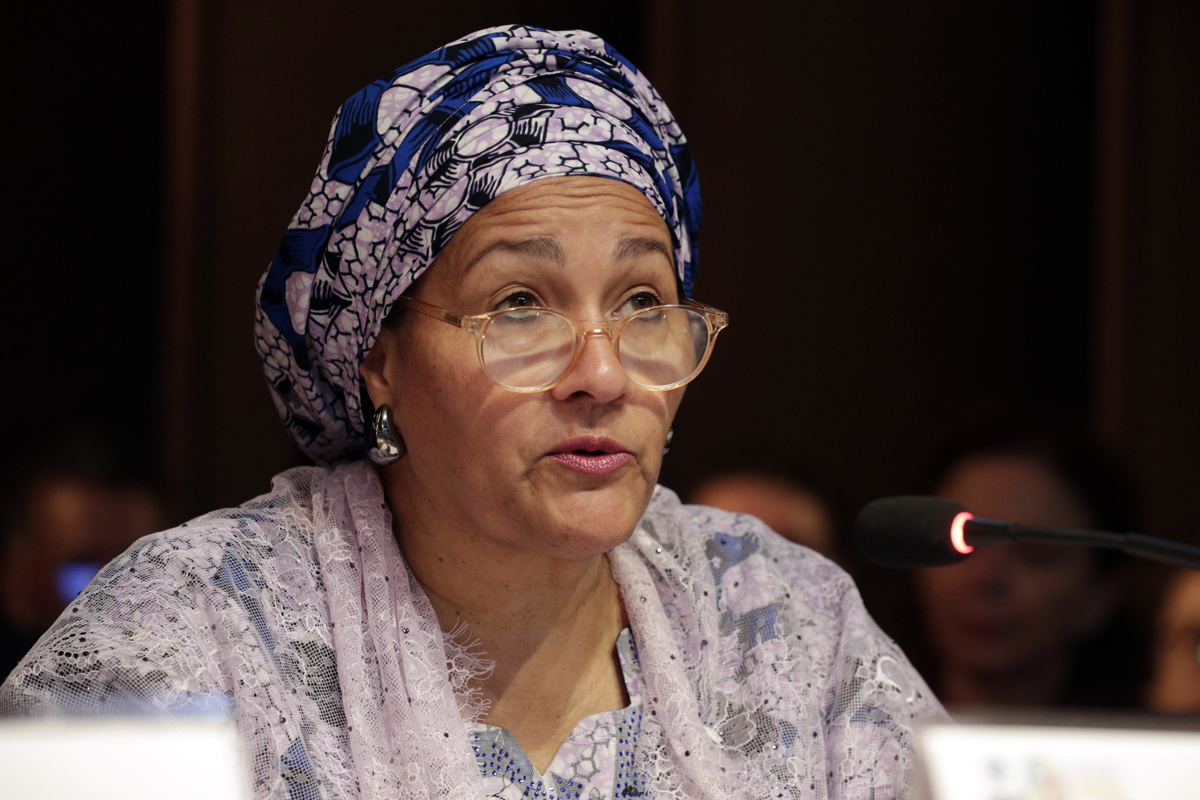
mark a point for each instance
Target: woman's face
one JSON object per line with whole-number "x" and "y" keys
{"x": 565, "y": 472}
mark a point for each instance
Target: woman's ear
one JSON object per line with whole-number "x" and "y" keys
{"x": 379, "y": 367}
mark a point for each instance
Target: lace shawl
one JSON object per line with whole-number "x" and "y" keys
{"x": 763, "y": 675}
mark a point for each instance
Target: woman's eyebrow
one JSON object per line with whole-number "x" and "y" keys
{"x": 631, "y": 246}
{"x": 540, "y": 246}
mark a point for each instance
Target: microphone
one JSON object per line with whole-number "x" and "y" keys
{"x": 914, "y": 532}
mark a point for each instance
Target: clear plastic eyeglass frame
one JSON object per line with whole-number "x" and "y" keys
{"x": 714, "y": 319}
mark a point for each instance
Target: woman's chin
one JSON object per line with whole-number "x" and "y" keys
{"x": 594, "y": 521}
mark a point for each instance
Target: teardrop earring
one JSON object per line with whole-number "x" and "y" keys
{"x": 389, "y": 444}
{"x": 670, "y": 436}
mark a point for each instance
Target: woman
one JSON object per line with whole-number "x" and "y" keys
{"x": 506, "y": 605}
{"x": 1032, "y": 624}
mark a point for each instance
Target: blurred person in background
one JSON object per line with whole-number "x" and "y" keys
{"x": 1032, "y": 624}
{"x": 72, "y": 515}
{"x": 785, "y": 497}
{"x": 1175, "y": 685}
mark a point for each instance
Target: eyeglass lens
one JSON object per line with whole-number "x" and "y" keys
{"x": 528, "y": 349}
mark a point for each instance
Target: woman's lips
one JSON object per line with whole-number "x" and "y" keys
{"x": 592, "y": 455}
{"x": 600, "y": 464}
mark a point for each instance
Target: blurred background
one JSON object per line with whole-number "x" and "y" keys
{"x": 919, "y": 216}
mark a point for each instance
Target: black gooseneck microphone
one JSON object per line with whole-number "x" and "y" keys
{"x": 932, "y": 532}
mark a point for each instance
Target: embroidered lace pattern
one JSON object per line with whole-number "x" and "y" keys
{"x": 761, "y": 675}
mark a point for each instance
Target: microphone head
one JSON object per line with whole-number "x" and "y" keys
{"x": 911, "y": 532}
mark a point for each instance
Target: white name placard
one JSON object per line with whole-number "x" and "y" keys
{"x": 130, "y": 759}
{"x": 979, "y": 761}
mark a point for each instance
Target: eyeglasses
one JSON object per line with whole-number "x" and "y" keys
{"x": 529, "y": 349}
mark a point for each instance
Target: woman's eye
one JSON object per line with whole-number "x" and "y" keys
{"x": 517, "y": 300}
{"x": 639, "y": 302}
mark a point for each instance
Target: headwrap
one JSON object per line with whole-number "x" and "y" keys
{"x": 409, "y": 159}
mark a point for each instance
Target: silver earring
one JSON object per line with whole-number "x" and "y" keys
{"x": 389, "y": 444}
{"x": 670, "y": 436}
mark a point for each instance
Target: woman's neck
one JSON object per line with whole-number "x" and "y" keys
{"x": 548, "y": 625}
{"x": 519, "y": 608}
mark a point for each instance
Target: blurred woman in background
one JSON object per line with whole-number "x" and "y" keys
{"x": 77, "y": 508}
{"x": 1033, "y": 624}
{"x": 791, "y": 501}
{"x": 1175, "y": 685}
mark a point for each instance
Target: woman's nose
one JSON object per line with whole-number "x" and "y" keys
{"x": 596, "y": 372}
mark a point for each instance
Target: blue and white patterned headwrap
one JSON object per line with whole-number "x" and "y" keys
{"x": 410, "y": 159}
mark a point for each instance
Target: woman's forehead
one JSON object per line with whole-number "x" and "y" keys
{"x": 567, "y": 200}
{"x": 547, "y": 218}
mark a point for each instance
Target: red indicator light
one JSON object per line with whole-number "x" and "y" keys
{"x": 957, "y": 537}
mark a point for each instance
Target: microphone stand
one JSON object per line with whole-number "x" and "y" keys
{"x": 981, "y": 532}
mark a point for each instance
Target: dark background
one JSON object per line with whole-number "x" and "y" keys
{"x": 82, "y": 147}
{"x": 914, "y": 215}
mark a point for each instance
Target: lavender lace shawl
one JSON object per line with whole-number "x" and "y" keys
{"x": 763, "y": 676}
